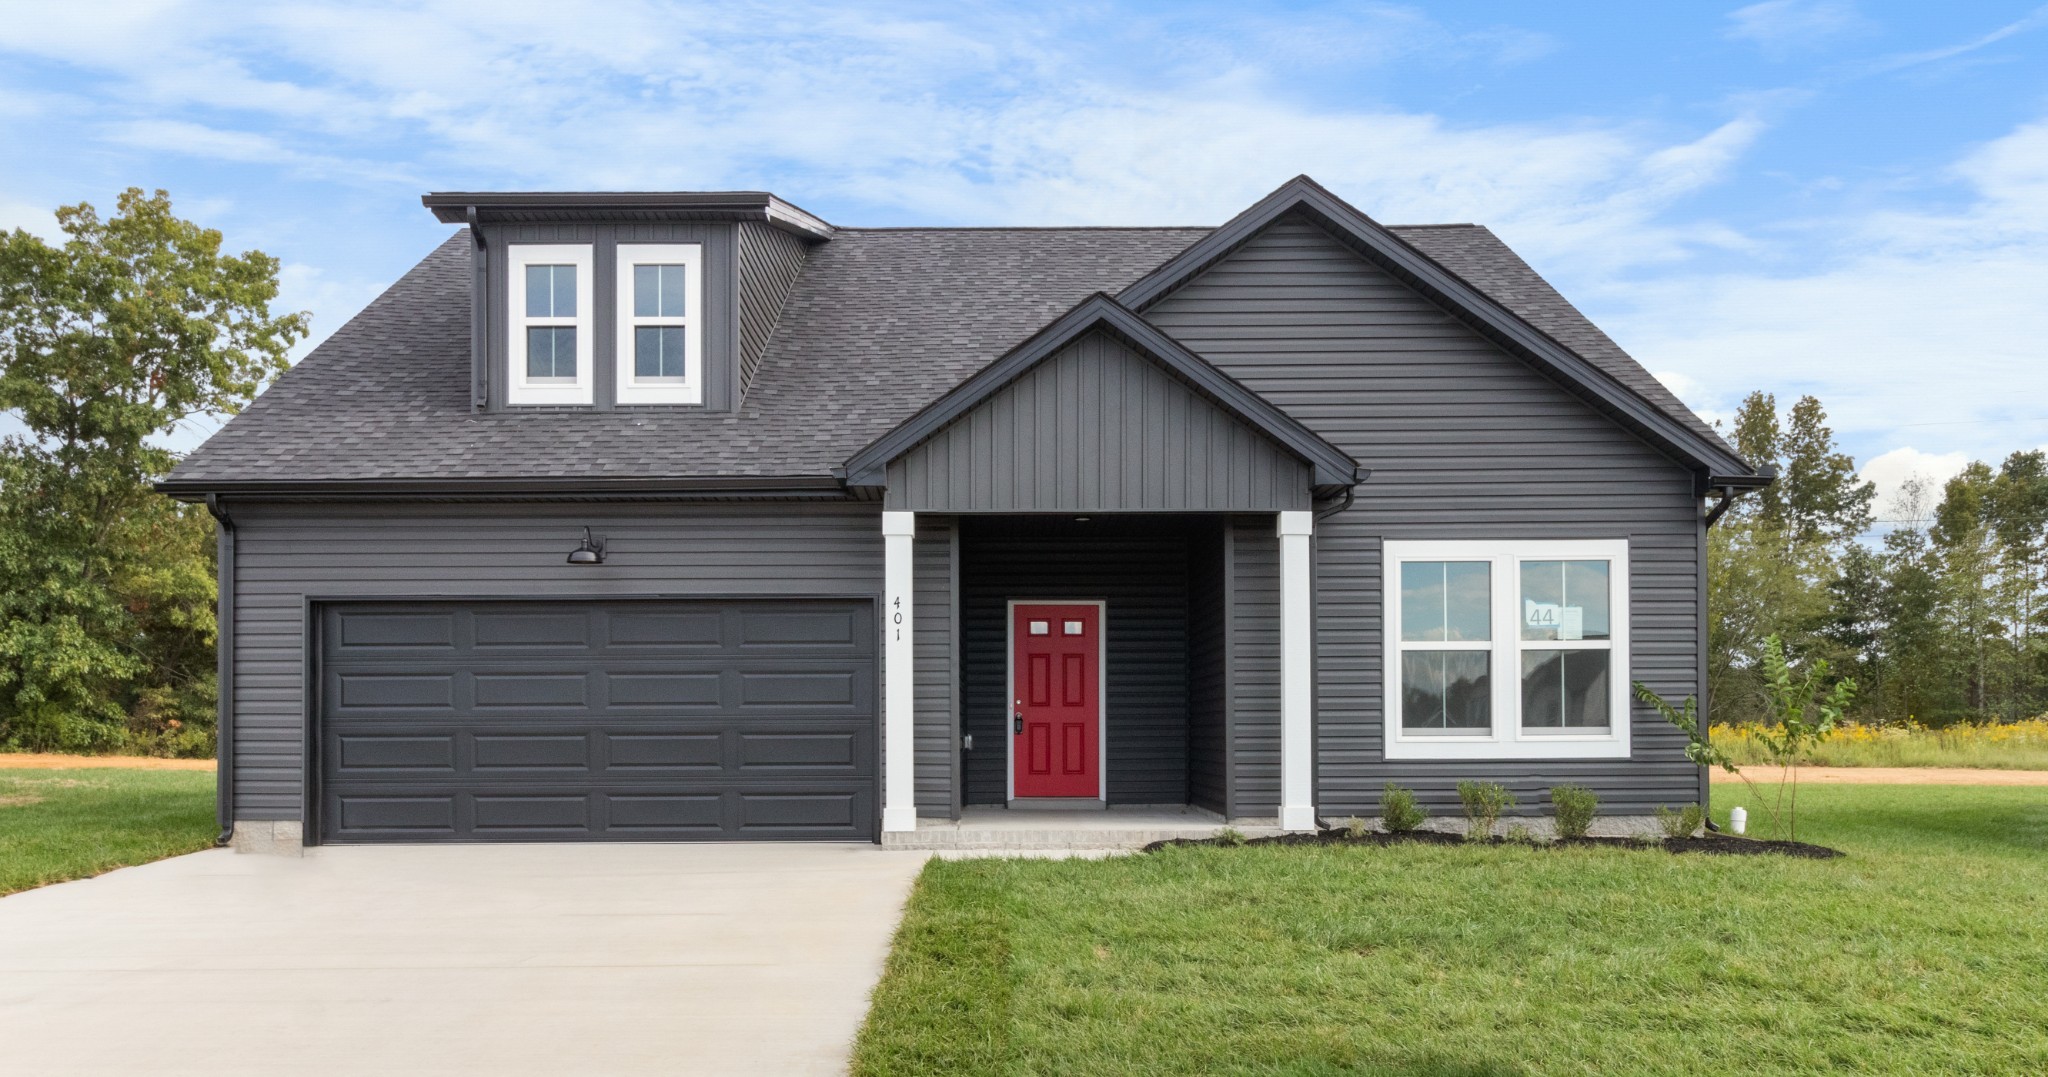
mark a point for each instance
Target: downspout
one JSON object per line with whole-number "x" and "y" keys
{"x": 224, "y": 671}
{"x": 1729, "y": 493}
{"x": 1350, "y": 495}
{"x": 479, "y": 319}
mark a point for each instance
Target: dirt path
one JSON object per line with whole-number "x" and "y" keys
{"x": 1891, "y": 776}
{"x": 52, "y": 761}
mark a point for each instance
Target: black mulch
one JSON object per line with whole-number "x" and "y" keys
{"x": 1712, "y": 844}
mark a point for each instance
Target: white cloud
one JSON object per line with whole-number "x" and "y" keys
{"x": 1907, "y": 320}
{"x": 1782, "y": 26}
{"x": 1891, "y": 471}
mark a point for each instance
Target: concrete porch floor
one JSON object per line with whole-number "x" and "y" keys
{"x": 988, "y": 830}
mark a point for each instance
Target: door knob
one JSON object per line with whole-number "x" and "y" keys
{"x": 1019, "y": 730}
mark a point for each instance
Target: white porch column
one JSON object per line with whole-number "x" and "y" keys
{"x": 899, "y": 777}
{"x": 1297, "y": 674}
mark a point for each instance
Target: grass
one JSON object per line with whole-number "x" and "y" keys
{"x": 1920, "y": 952}
{"x": 2019, "y": 745}
{"x": 70, "y": 824}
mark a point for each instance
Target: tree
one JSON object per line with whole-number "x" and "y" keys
{"x": 108, "y": 341}
{"x": 1778, "y": 553}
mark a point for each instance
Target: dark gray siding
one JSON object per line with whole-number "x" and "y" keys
{"x": 287, "y": 554}
{"x": 1097, "y": 428}
{"x": 1208, "y": 673}
{"x": 1464, "y": 442}
{"x": 936, "y": 722}
{"x": 1141, "y": 570}
{"x": 721, "y": 302}
{"x": 1255, "y": 667}
{"x": 770, "y": 260}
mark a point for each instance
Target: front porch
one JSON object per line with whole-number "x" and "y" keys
{"x": 1192, "y": 695}
{"x": 996, "y": 831}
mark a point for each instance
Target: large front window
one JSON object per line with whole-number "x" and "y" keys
{"x": 660, "y": 337}
{"x": 1507, "y": 649}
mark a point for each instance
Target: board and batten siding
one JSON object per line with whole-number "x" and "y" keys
{"x": 770, "y": 260}
{"x": 1097, "y": 427}
{"x": 721, "y": 313}
{"x": 1464, "y": 441}
{"x": 287, "y": 554}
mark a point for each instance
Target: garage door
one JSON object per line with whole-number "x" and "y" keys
{"x": 597, "y": 721}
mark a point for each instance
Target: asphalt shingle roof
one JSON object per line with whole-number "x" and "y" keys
{"x": 880, "y": 323}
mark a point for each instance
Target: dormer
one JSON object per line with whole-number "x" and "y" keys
{"x": 603, "y": 301}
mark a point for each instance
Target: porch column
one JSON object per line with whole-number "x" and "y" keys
{"x": 899, "y": 777}
{"x": 1297, "y": 674}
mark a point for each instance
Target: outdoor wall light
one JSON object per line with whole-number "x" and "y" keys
{"x": 590, "y": 553}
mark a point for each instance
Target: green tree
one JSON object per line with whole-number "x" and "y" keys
{"x": 1775, "y": 559}
{"x": 108, "y": 341}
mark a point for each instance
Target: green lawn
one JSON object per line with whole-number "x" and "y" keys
{"x": 1923, "y": 951}
{"x": 68, "y": 824}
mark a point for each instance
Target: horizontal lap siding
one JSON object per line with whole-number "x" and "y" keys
{"x": 1097, "y": 428}
{"x": 1255, "y": 666}
{"x": 1464, "y": 441}
{"x": 770, "y": 260}
{"x": 936, "y": 676}
{"x": 1208, "y": 672}
{"x": 287, "y": 553}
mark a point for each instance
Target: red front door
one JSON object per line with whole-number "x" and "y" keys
{"x": 1056, "y": 716}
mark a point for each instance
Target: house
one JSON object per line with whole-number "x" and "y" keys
{"x": 691, "y": 516}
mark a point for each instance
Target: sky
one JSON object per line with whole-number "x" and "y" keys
{"x": 1845, "y": 198}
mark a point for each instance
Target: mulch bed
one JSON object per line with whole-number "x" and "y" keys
{"x": 1712, "y": 844}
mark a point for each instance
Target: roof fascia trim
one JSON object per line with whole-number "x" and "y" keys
{"x": 578, "y": 488}
{"x": 454, "y": 207}
{"x": 1476, "y": 308}
{"x": 1331, "y": 466}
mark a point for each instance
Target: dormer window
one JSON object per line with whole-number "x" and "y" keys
{"x": 549, "y": 343}
{"x": 660, "y": 353}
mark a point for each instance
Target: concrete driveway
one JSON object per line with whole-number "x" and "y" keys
{"x": 530, "y": 959}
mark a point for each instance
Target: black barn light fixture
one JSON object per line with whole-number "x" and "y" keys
{"x": 590, "y": 553}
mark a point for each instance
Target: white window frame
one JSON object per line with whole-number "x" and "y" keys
{"x": 1507, "y": 739}
{"x": 520, "y": 390}
{"x": 688, "y": 389}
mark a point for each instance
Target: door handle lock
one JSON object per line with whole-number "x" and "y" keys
{"x": 1018, "y": 728}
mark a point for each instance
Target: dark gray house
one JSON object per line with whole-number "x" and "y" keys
{"x": 691, "y": 516}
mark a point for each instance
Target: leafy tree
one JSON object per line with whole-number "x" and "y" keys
{"x": 107, "y": 342}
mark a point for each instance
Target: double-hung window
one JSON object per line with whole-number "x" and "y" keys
{"x": 1507, "y": 649}
{"x": 660, "y": 351}
{"x": 549, "y": 345}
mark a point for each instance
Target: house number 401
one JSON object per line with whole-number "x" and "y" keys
{"x": 898, "y": 616}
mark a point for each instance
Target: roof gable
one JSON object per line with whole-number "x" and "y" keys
{"x": 1329, "y": 466}
{"x": 1690, "y": 441}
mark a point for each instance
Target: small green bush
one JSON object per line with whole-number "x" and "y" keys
{"x": 1399, "y": 812}
{"x": 1680, "y": 824}
{"x": 1575, "y": 805}
{"x": 1484, "y": 803}
{"x": 1230, "y": 835}
{"x": 1355, "y": 827}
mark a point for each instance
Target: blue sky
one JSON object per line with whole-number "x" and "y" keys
{"x": 1842, "y": 197}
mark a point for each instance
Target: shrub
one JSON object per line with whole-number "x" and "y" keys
{"x": 1230, "y": 835}
{"x": 1399, "y": 812}
{"x": 1484, "y": 803}
{"x": 1575, "y": 805}
{"x": 1680, "y": 824}
{"x": 1355, "y": 827}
